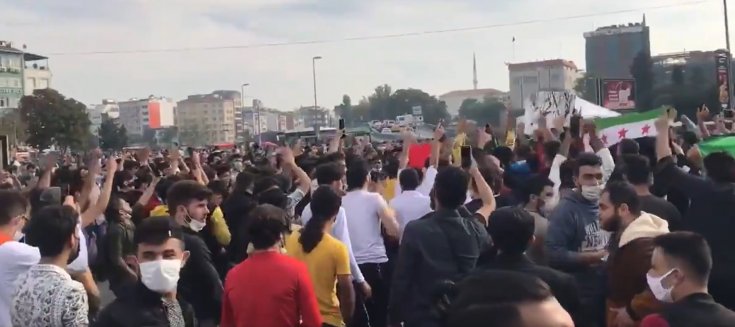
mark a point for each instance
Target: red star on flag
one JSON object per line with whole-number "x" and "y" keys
{"x": 604, "y": 139}
{"x": 645, "y": 129}
{"x": 622, "y": 132}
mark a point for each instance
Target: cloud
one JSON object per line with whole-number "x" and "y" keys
{"x": 281, "y": 76}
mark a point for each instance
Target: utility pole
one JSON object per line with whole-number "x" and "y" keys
{"x": 316, "y": 105}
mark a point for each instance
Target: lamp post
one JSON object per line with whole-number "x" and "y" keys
{"x": 313, "y": 116}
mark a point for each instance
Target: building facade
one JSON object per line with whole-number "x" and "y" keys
{"x": 95, "y": 115}
{"x": 454, "y": 99}
{"x": 208, "y": 119}
{"x": 610, "y": 50}
{"x": 139, "y": 115}
{"x": 311, "y": 117}
{"x": 11, "y": 76}
{"x": 531, "y": 77}
{"x": 36, "y": 73}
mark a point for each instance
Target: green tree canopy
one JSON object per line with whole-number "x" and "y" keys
{"x": 53, "y": 119}
{"x": 487, "y": 111}
{"x": 386, "y": 104}
{"x": 112, "y": 135}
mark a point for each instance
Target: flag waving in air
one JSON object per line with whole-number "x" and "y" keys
{"x": 629, "y": 126}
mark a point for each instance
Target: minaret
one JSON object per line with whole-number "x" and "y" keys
{"x": 474, "y": 70}
{"x": 644, "y": 19}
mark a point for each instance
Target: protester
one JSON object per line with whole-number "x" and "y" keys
{"x": 269, "y": 288}
{"x": 118, "y": 244}
{"x": 712, "y": 206}
{"x": 200, "y": 282}
{"x": 326, "y": 258}
{"x": 512, "y": 232}
{"x": 537, "y": 196}
{"x": 441, "y": 245}
{"x": 501, "y": 299}
{"x": 575, "y": 243}
{"x": 410, "y": 204}
{"x": 152, "y": 300}
{"x": 628, "y": 298}
{"x": 680, "y": 268}
{"x": 368, "y": 213}
{"x": 16, "y": 257}
{"x": 46, "y": 295}
{"x": 638, "y": 172}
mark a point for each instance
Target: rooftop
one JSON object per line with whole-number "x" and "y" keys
{"x": 542, "y": 64}
{"x": 7, "y": 47}
{"x": 472, "y": 93}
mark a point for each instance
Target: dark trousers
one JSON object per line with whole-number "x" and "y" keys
{"x": 373, "y": 312}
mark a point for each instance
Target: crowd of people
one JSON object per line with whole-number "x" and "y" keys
{"x": 536, "y": 232}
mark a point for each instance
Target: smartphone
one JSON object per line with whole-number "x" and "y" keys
{"x": 727, "y": 116}
{"x": 342, "y": 127}
{"x": 466, "y": 155}
{"x": 574, "y": 126}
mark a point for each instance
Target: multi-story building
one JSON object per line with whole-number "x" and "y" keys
{"x": 697, "y": 66}
{"x": 207, "y": 118}
{"x": 610, "y": 50}
{"x": 312, "y": 117}
{"x": 267, "y": 119}
{"x": 531, "y": 77}
{"x": 454, "y": 99}
{"x": 11, "y": 76}
{"x": 139, "y": 115}
{"x": 36, "y": 73}
{"x": 95, "y": 115}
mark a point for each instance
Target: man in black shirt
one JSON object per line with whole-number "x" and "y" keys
{"x": 638, "y": 172}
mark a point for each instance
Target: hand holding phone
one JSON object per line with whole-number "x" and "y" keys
{"x": 466, "y": 156}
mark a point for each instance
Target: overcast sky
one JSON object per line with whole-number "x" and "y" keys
{"x": 281, "y": 76}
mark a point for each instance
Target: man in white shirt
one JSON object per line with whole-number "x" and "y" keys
{"x": 368, "y": 215}
{"x": 15, "y": 257}
{"x": 410, "y": 204}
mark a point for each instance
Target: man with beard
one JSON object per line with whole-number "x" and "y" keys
{"x": 628, "y": 299}
{"x": 46, "y": 296}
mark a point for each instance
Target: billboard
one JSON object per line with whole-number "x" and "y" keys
{"x": 722, "y": 65}
{"x": 618, "y": 94}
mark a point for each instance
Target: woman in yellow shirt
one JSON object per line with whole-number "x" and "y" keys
{"x": 326, "y": 258}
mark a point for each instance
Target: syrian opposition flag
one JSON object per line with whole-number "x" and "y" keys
{"x": 717, "y": 144}
{"x": 629, "y": 126}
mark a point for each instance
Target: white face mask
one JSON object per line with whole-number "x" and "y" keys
{"x": 160, "y": 276}
{"x": 592, "y": 193}
{"x": 657, "y": 288}
{"x": 196, "y": 225}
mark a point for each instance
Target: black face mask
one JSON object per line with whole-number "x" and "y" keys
{"x": 75, "y": 254}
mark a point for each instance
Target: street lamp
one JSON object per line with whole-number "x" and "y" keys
{"x": 313, "y": 117}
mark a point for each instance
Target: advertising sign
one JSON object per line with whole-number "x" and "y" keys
{"x": 416, "y": 110}
{"x": 618, "y": 94}
{"x": 722, "y": 64}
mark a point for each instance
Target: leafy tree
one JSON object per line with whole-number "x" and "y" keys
{"x": 53, "y": 119}
{"x": 483, "y": 112}
{"x": 586, "y": 87}
{"x": 344, "y": 110}
{"x": 11, "y": 124}
{"x": 112, "y": 135}
{"x": 642, "y": 72}
{"x": 192, "y": 136}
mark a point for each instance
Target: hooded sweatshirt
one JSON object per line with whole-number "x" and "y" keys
{"x": 628, "y": 265}
{"x": 574, "y": 227}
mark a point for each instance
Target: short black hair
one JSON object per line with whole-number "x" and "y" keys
{"x": 491, "y": 299}
{"x": 357, "y": 174}
{"x": 165, "y": 185}
{"x": 629, "y": 146}
{"x": 511, "y": 229}
{"x": 274, "y": 196}
{"x": 637, "y": 169}
{"x": 157, "y": 230}
{"x": 328, "y": 173}
{"x": 587, "y": 159}
{"x": 267, "y": 224}
{"x": 691, "y": 249}
{"x": 390, "y": 166}
{"x": 450, "y": 187}
{"x": 720, "y": 167}
{"x": 218, "y": 187}
{"x": 51, "y": 227}
{"x": 623, "y": 192}
{"x": 534, "y": 185}
{"x": 551, "y": 149}
{"x": 184, "y": 192}
{"x": 13, "y": 205}
{"x": 409, "y": 179}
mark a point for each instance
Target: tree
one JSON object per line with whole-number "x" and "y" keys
{"x": 642, "y": 72}
{"x": 53, "y": 119}
{"x": 169, "y": 135}
{"x": 586, "y": 87}
{"x": 192, "y": 136}
{"x": 344, "y": 110}
{"x": 483, "y": 112}
{"x": 112, "y": 135}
